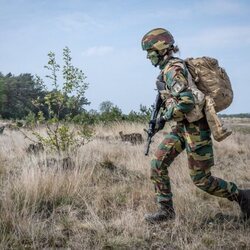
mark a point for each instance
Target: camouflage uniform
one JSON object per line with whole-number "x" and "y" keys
{"x": 195, "y": 137}
{"x": 184, "y": 103}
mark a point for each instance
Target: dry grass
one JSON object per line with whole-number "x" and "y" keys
{"x": 100, "y": 203}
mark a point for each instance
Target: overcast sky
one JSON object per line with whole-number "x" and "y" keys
{"x": 105, "y": 40}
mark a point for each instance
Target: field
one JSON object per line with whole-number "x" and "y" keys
{"x": 99, "y": 202}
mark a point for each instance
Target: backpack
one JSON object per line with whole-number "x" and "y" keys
{"x": 212, "y": 80}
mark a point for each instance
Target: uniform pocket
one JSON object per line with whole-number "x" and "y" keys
{"x": 196, "y": 136}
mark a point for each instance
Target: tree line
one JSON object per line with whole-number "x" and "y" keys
{"x": 19, "y": 95}
{"x": 240, "y": 115}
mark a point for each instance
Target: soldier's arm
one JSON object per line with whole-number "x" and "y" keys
{"x": 182, "y": 98}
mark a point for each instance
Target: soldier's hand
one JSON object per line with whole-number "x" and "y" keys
{"x": 159, "y": 123}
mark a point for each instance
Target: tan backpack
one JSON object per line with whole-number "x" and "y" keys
{"x": 212, "y": 80}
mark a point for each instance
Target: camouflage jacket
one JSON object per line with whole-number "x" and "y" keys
{"x": 181, "y": 97}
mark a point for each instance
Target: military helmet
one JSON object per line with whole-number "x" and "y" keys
{"x": 157, "y": 39}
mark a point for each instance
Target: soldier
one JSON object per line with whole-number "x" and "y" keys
{"x": 184, "y": 103}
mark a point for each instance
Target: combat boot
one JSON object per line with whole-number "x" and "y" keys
{"x": 244, "y": 201}
{"x": 165, "y": 212}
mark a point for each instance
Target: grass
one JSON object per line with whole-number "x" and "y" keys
{"x": 101, "y": 202}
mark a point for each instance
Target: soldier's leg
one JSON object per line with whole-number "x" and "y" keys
{"x": 203, "y": 179}
{"x": 169, "y": 148}
{"x": 200, "y": 158}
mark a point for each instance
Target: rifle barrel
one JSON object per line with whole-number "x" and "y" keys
{"x": 151, "y": 130}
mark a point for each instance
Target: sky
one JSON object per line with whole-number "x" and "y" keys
{"x": 105, "y": 42}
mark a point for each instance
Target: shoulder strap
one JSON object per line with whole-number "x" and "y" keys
{"x": 173, "y": 61}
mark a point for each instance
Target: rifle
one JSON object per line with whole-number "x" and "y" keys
{"x": 155, "y": 110}
{"x": 151, "y": 127}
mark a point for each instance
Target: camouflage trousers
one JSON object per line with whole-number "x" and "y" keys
{"x": 196, "y": 139}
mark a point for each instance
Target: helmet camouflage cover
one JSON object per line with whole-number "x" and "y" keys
{"x": 157, "y": 39}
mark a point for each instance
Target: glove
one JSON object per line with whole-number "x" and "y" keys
{"x": 159, "y": 123}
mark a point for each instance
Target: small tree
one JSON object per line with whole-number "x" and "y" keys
{"x": 142, "y": 116}
{"x": 110, "y": 112}
{"x": 61, "y": 104}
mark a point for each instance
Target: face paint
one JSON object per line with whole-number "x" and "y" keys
{"x": 153, "y": 56}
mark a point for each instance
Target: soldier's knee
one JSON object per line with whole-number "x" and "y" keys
{"x": 155, "y": 168}
{"x": 159, "y": 170}
{"x": 201, "y": 179}
{"x": 155, "y": 163}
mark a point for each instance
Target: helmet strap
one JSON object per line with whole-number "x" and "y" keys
{"x": 165, "y": 56}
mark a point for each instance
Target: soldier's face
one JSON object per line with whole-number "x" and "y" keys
{"x": 153, "y": 56}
